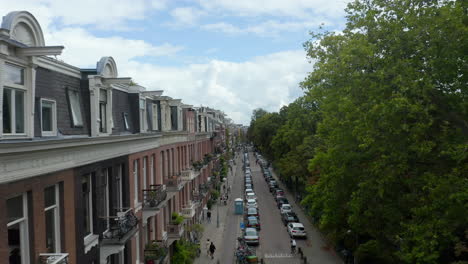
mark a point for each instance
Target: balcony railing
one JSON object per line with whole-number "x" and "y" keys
{"x": 190, "y": 174}
{"x": 121, "y": 226}
{"x": 188, "y": 210}
{"x": 173, "y": 182}
{"x": 156, "y": 251}
{"x": 175, "y": 230}
{"x": 154, "y": 196}
{"x": 203, "y": 188}
{"x": 53, "y": 258}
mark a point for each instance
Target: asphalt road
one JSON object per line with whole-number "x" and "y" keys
{"x": 274, "y": 239}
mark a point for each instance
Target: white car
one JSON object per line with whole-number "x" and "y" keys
{"x": 296, "y": 230}
{"x": 251, "y": 203}
{"x": 251, "y": 236}
{"x": 248, "y": 191}
{"x": 251, "y": 195}
{"x": 285, "y": 208}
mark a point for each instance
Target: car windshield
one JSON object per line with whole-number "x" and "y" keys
{"x": 286, "y": 207}
{"x": 253, "y": 221}
{"x": 252, "y": 211}
{"x": 299, "y": 228}
{"x": 251, "y": 232}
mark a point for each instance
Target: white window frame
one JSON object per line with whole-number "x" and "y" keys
{"x": 24, "y": 231}
{"x": 56, "y": 209}
{"x": 143, "y": 121}
{"x": 14, "y": 89}
{"x": 106, "y": 177}
{"x": 90, "y": 205}
{"x": 76, "y": 122}
{"x": 137, "y": 246}
{"x": 119, "y": 186}
{"x": 135, "y": 182}
{"x": 53, "y": 118}
{"x": 145, "y": 164}
{"x": 152, "y": 157}
{"x": 155, "y": 117}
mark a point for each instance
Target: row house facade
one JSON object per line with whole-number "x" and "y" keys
{"x": 92, "y": 165}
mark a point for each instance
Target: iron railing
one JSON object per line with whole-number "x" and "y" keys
{"x": 154, "y": 196}
{"x": 121, "y": 224}
{"x": 53, "y": 258}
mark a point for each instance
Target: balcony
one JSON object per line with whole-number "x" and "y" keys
{"x": 175, "y": 231}
{"x": 190, "y": 174}
{"x": 173, "y": 183}
{"x": 203, "y": 189}
{"x": 188, "y": 210}
{"x": 53, "y": 258}
{"x": 154, "y": 196}
{"x": 122, "y": 227}
{"x": 156, "y": 252}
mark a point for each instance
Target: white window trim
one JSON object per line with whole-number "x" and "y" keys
{"x": 56, "y": 208}
{"x": 142, "y": 111}
{"x": 137, "y": 247}
{"x": 152, "y": 157}
{"x": 91, "y": 233}
{"x": 28, "y": 87}
{"x": 145, "y": 164}
{"x": 24, "y": 230}
{"x": 75, "y": 122}
{"x": 155, "y": 117}
{"x": 107, "y": 201}
{"x": 135, "y": 182}
{"x": 54, "y": 118}
{"x": 119, "y": 174}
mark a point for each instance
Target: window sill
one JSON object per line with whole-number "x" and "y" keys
{"x": 90, "y": 241}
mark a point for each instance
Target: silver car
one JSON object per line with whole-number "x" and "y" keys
{"x": 251, "y": 236}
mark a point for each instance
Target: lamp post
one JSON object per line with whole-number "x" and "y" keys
{"x": 217, "y": 214}
{"x": 355, "y": 245}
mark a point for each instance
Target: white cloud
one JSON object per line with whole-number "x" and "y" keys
{"x": 83, "y": 49}
{"x": 236, "y": 88}
{"x": 267, "y": 28}
{"x": 185, "y": 16}
{"x": 291, "y": 8}
{"x": 102, "y": 14}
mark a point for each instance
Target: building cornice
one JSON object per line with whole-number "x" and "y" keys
{"x": 58, "y": 66}
{"x": 22, "y": 160}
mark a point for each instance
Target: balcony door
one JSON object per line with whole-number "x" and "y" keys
{"x": 18, "y": 233}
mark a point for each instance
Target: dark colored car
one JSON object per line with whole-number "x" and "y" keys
{"x": 279, "y": 192}
{"x": 289, "y": 217}
{"x": 281, "y": 201}
{"x": 273, "y": 185}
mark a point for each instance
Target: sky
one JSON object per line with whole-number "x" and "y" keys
{"x": 231, "y": 55}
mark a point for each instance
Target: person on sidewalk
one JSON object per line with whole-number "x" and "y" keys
{"x": 293, "y": 246}
{"x": 212, "y": 250}
{"x": 208, "y": 215}
{"x": 208, "y": 243}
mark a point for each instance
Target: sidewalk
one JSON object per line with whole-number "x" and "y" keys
{"x": 222, "y": 237}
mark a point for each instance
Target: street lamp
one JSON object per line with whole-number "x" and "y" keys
{"x": 355, "y": 245}
{"x": 217, "y": 214}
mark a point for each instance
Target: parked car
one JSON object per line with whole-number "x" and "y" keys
{"x": 285, "y": 208}
{"x": 248, "y": 180}
{"x": 252, "y": 212}
{"x": 278, "y": 196}
{"x": 296, "y": 230}
{"x": 251, "y": 236}
{"x": 248, "y": 190}
{"x": 273, "y": 185}
{"x": 289, "y": 217}
{"x": 251, "y": 203}
{"x": 248, "y": 186}
{"x": 279, "y": 192}
{"x": 253, "y": 222}
{"x": 250, "y": 195}
{"x": 281, "y": 201}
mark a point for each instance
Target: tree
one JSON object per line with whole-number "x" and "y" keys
{"x": 393, "y": 164}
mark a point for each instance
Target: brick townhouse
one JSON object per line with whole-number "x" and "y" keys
{"x": 92, "y": 166}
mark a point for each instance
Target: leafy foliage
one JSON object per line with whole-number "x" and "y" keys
{"x": 381, "y": 136}
{"x": 184, "y": 252}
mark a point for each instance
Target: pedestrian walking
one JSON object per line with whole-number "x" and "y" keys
{"x": 208, "y": 215}
{"x": 212, "y": 250}
{"x": 229, "y": 189}
{"x": 207, "y": 244}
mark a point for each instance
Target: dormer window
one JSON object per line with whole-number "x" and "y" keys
{"x": 48, "y": 117}
{"x": 75, "y": 108}
{"x": 143, "y": 122}
{"x": 102, "y": 111}
{"x": 14, "y": 93}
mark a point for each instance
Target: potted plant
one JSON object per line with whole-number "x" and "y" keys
{"x": 154, "y": 253}
{"x": 177, "y": 219}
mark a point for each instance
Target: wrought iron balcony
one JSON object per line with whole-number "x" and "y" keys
{"x": 122, "y": 227}
{"x": 203, "y": 188}
{"x": 173, "y": 183}
{"x": 190, "y": 174}
{"x": 156, "y": 252}
{"x": 175, "y": 230}
{"x": 154, "y": 196}
{"x": 188, "y": 210}
{"x": 53, "y": 258}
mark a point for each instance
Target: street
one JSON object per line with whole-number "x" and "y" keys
{"x": 274, "y": 244}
